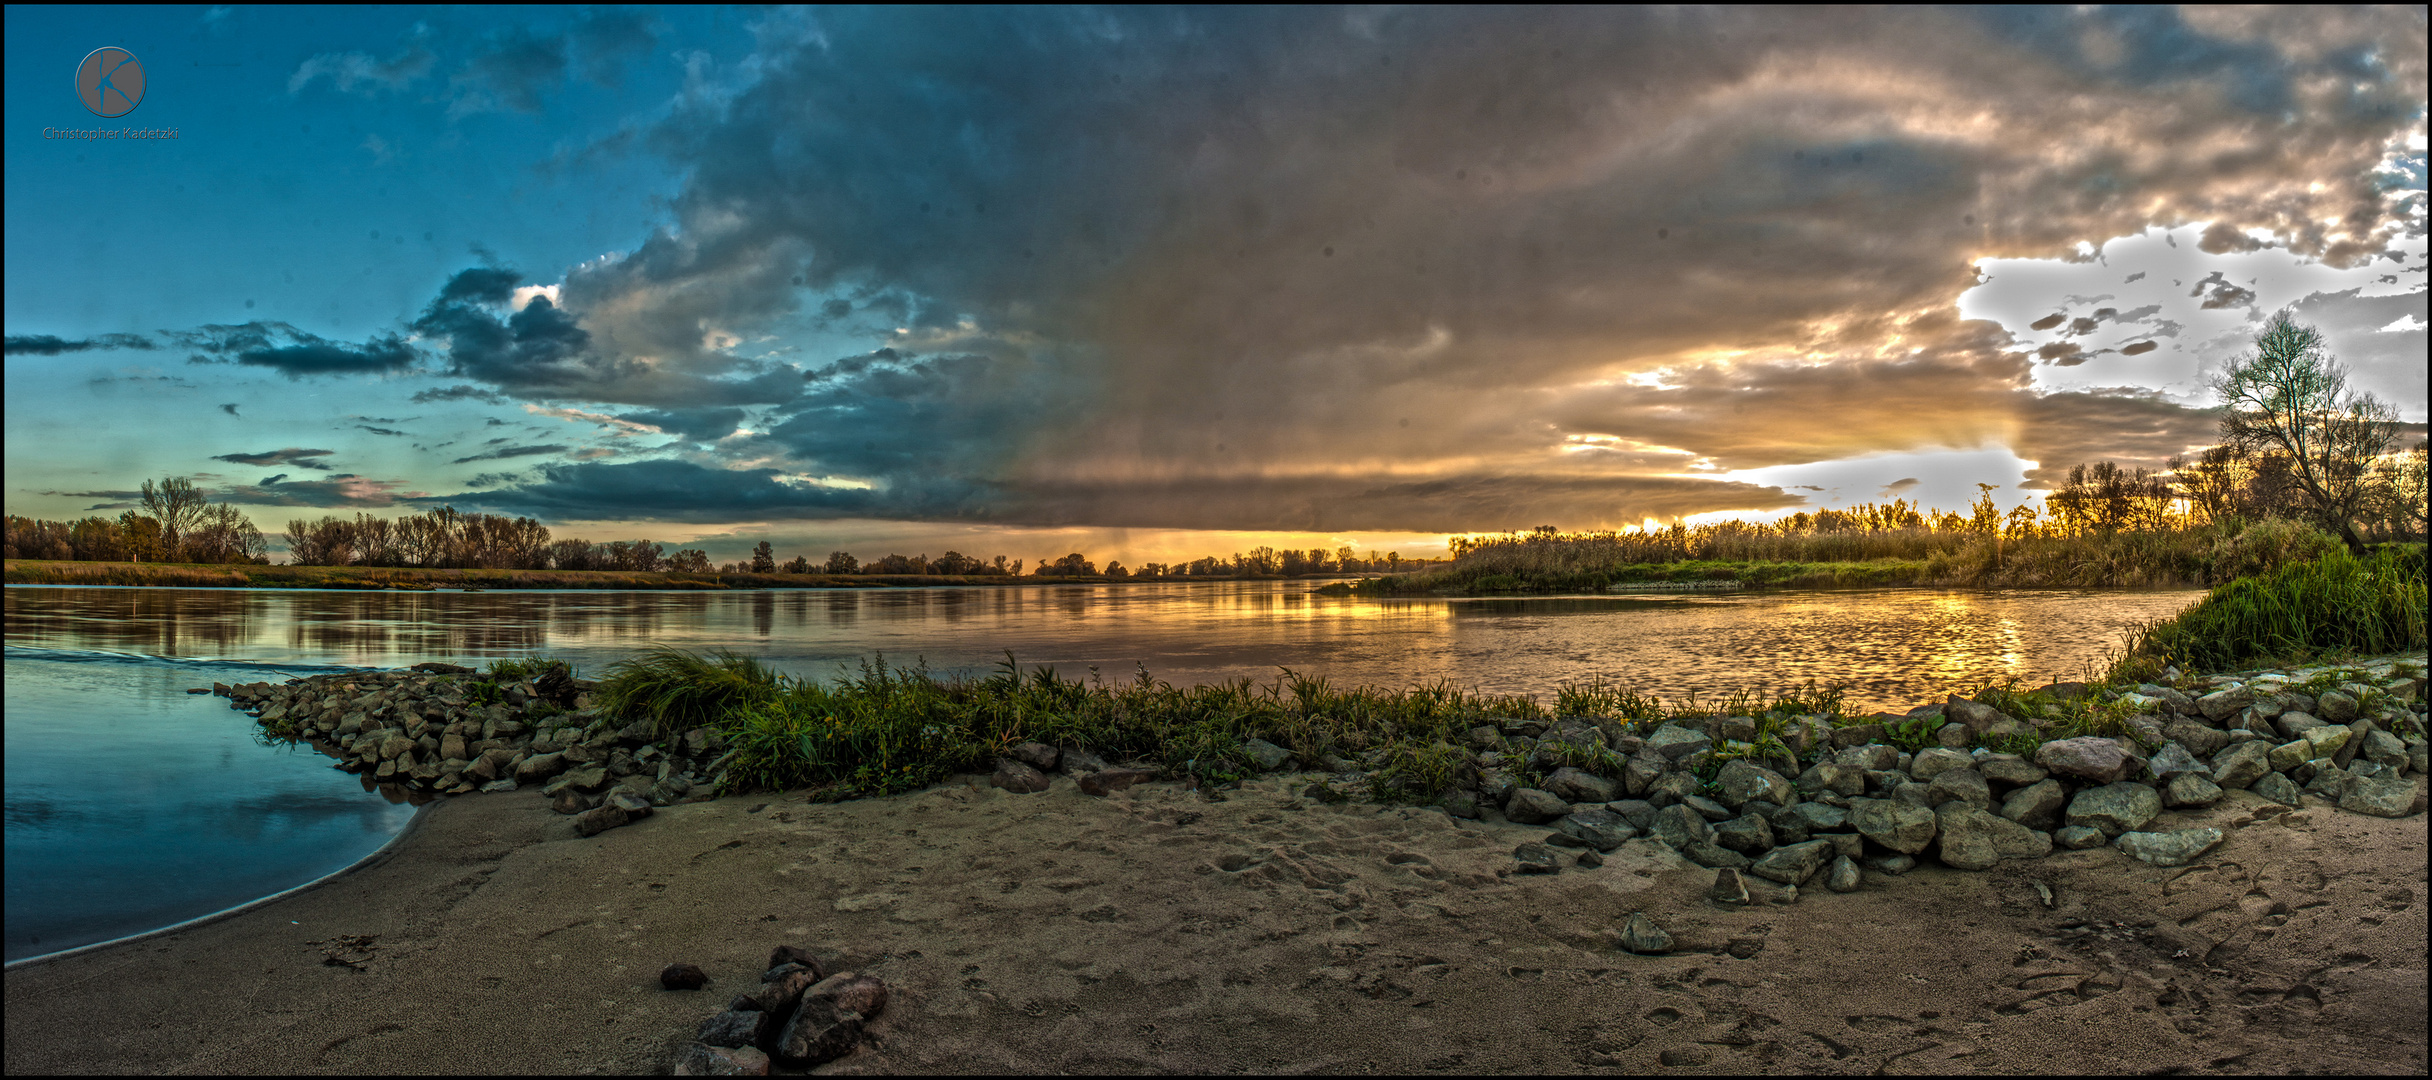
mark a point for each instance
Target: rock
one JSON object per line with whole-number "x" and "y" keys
{"x": 1728, "y": 888}
{"x": 2036, "y": 806}
{"x": 1856, "y": 735}
{"x": 1588, "y": 859}
{"x": 796, "y": 955}
{"x": 2117, "y": 808}
{"x": 2241, "y": 765}
{"x": 702, "y": 1059}
{"x": 1893, "y": 864}
{"x": 2336, "y": 706}
{"x": 1748, "y": 835}
{"x": 863, "y": 994}
{"x": 1108, "y": 781}
{"x": 1972, "y": 715}
{"x": 1714, "y": 856}
{"x": 1460, "y": 804}
{"x": 1679, "y": 827}
{"x": 451, "y": 746}
{"x": 585, "y": 780}
{"x": 600, "y": 819}
{"x": 570, "y": 801}
{"x": 1638, "y": 812}
{"x": 2088, "y": 757}
{"x": 2384, "y": 749}
{"x": 2200, "y": 740}
{"x": 1580, "y": 786}
{"x": 2222, "y": 703}
{"x": 1324, "y": 793}
{"x": 1267, "y": 756}
{"x": 1959, "y": 785}
{"x": 2278, "y": 788}
{"x": 2327, "y": 742}
{"x": 1018, "y": 777}
{"x": 1708, "y": 808}
{"x": 1037, "y": 755}
{"x": 2193, "y": 789}
{"x": 1530, "y": 806}
{"x": 1640, "y": 935}
{"x": 2175, "y": 761}
{"x": 1674, "y": 742}
{"x": 735, "y": 1027}
{"x": 1934, "y": 761}
{"x": 1972, "y": 839}
{"x": 1901, "y": 827}
{"x": 1642, "y": 771}
{"x": 539, "y": 768}
{"x": 494, "y": 786}
{"x": 1686, "y": 1057}
{"x": 683, "y": 977}
{"x": 1842, "y": 876}
{"x": 2079, "y": 837}
{"x": 1793, "y": 864}
{"x": 1833, "y": 777}
{"x": 635, "y": 806}
{"x": 2287, "y": 756}
{"x": 1076, "y": 761}
{"x": 1741, "y": 782}
{"x": 2177, "y": 847}
{"x": 1599, "y": 828}
{"x": 1875, "y": 758}
{"x": 1536, "y": 858}
{"x": 2010, "y": 770}
{"x": 2381, "y": 798}
{"x": 1954, "y": 736}
{"x": 2294, "y": 725}
{"x": 818, "y": 1032}
{"x": 1793, "y": 824}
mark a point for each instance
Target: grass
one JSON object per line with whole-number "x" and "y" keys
{"x": 2331, "y": 606}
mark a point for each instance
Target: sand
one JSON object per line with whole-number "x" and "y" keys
{"x": 1159, "y": 931}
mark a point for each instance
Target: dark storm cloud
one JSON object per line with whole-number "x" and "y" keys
{"x": 460, "y": 392}
{"x": 295, "y": 456}
{"x": 295, "y": 353}
{"x": 381, "y": 430}
{"x": 505, "y": 452}
{"x": 50, "y": 345}
{"x": 340, "y": 490}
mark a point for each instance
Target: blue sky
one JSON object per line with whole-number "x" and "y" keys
{"x": 1158, "y": 283}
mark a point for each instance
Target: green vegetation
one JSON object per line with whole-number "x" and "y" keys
{"x": 2330, "y": 606}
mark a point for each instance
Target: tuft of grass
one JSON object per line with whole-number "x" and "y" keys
{"x": 676, "y": 690}
{"x": 2332, "y": 605}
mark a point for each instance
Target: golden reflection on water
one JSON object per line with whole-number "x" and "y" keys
{"x": 1891, "y": 647}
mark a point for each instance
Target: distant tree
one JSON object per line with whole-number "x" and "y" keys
{"x": 687, "y": 561}
{"x": 892, "y": 564}
{"x": 764, "y": 560}
{"x": 842, "y": 562}
{"x": 954, "y": 562}
{"x": 798, "y": 565}
{"x": 2290, "y": 395}
{"x": 97, "y": 539}
{"x": 178, "y": 508}
{"x": 1115, "y": 570}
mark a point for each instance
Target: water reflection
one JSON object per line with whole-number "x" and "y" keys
{"x": 1892, "y": 647}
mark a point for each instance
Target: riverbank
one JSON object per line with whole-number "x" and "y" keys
{"x": 1157, "y": 930}
{"x": 412, "y": 578}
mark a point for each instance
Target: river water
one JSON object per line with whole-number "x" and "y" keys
{"x": 131, "y": 804}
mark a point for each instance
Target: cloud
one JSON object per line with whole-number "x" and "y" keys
{"x": 230, "y": 409}
{"x": 505, "y": 452}
{"x": 295, "y": 353}
{"x": 295, "y": 456}
{"x": 340, "y": 490}
{"x": 50, "y": 345}
{"x": 1900, "y": 486}
{"x": 699, "y": 425}
{"x": 459, "y": 392}
{"x": 355, "y": 72}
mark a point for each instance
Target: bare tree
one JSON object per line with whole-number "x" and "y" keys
{"x": 178, "y": 508}
{"x": 2290, "y": 395}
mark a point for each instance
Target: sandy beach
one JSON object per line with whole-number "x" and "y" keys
{"x": 1159, "y": 931}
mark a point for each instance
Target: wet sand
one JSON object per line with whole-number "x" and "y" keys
{"x": 1158, "y": 931}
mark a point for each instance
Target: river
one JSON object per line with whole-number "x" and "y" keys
{"x": 132, "y": 805}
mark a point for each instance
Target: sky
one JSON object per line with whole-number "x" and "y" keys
{"x": 1158, "y": 283}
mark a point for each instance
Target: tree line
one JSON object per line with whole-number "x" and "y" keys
{"x": 172, "y": 522}
{"x": 1257, "y": 562}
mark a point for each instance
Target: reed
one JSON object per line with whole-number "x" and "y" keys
{"x": 677, "y": 690}
{"x": 2329, "y": 606}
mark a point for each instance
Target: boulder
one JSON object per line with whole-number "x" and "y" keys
{"x": 1711, "y": 855}
{"x": 1795, "y": 824}
{"x": 2278, "y": 788}
{"x": 1973, "y": 715}
{"x": 683, "y": 977}
{"x": 1529, "y": 806}
{"x": 1795, "y": 863}
{"x": 2222, "y": 703}
{"x": 1640, "y": 935}
{"x": 863, "y": 994}
{"x": 2294, "y": 725}
{"x": 1679, "y": 827}
{"x": 2037, "y": 805}
{"x": 2177, "y": 847}
{"x": 1856, "y": 735}
{"x": 1894, "y": 865}
{"x": 2079, "y": 837}
{"x": 1728, "y": 888}
{"x": 2199, "y": 739}
{"x": 539, "y": 768}
{"x": 1599, "y": 828}
{"x": 702, "y": 1059}
{"x": 2384, "y": 749}
{"x": 2336, "y": 706}
{"x": 736, "y": 1027}
{"x": 584, "y": 780}
{"x": 2192, "y": 789}
{"x": 2239, "y": 766}
{"x": 795, "y": 955}
{"x": 1833, "y": 777}
{"x": 1638, "y": 812}
{"x": 1642, "y": 771}
{"x": 1108, "y": 781}
{"x": 2175, "y": 761}
{"x": 2115, "y": 808}
{"x": 1673, "y": 788}
{"x": 1872, "y": 758}
{"x": 1954, "y": 736}
{"x": 1842, "y": 875}
{"x": 1536, "y": 858}
{"x": 600, "y": 819}
{"x": 1018, "y": 777}
{"x": 2382, "y": 798}
{"x": 1269, "y": 757}
{"x": 818, "y": 1032}
{"x": 1972, "y": 839}
{"x": 1959, "y": 785}
{"x": 1899, "y": 826}
{"x": 1037, "y": 755}
{"x": 2088, "y": 757}
{"x": 570, "y": 801}
{"x": 1580, "y": 786}
{"x": 1674, "y": 742}
{"x": 1740, "y": 783}
{"x": 1934, "y": 761}
{"x": 1749, "y": 835}
{"x": 1710, "y": 809}
{"x": 2010, "y": 770}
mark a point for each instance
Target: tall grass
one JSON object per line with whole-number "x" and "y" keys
{"x": 2331, "y": 605}
{"x": 677, "y": 690}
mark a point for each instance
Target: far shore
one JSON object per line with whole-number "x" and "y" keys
{"x": 414, "y": 578}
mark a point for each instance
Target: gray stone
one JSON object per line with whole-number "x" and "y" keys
{"x": 2036, "y": 806}
{"x": 1037, "y": 755}
{"x": 2222, "y": 703}
{"x": 1842, "y": 876}
{"x": 1709, "y": 854}
{"x": 1795, "y": 863}
{"x": 1914, "y": 794}
{"x": 1870, "y": 758}
{"x": 2294, "y": 725}
{"x": 818, "y": 1032}
{"x": 1074, "y": 761}
{"x": 1893, "y": 864}
{"x": 1975, "y": 717}
{"x": 1484, "y": 737}
{"x": 1899, "y": 826}
{"x": 2327, "y": 742}
{"x": 1600, "y": 828}
{"x": 2381, "y": 798}
{"x": 734, "y": 1027}
{"x": 1741, "y": 782}
{"x": 1496, "y": 786}
{"x": 497, "y": 786}
{"x": 2088, "y": 757}
{"x": 2278, "y": 788}
{"x": 1536, "y": 858}
{"x": 1673, "y": 788}
{"x": 1748, "y": 835}
{"x": 600, "y": 819}
{"x": 1643, "y": 770}
{"x": 1972, "y": 839}
{"x": 1460, "y": 804}
{"x": 2178, "y": 847}
{"x": 570, "y": 801}
{"x": 1934, "y": 761}
{"x": 1640, "y": 935}
{"x": 2287, "y": 756}
{"x": 1793, "y": 824}
{"x": 1728, "y": 888}
{"x": 1529, "y": 806}
{"x": 2239, "y": 766}
{"x": 702, "y": 1059}
{"x": 1020, "y": 778}
{"x": 1638, "y": 812}
{"x": 1580, "y": 786}
{"x": 864, "y": 994}
{"x": 1679, "y": 827}
{"x": 2123, "y": 807}
{"x": 2199, "y": 739}
{"x": 2336, "y": 706}
{"x": 1674, "y": 742}
{"x": 2010, "y": 770}
{"x": 1954, "y": 736}
{"x": 2079, "y": 837}
{"x": 1856, "y": 735}
{"x": 1959, "y": 785}
{"x": 2175, "y": 761}
{"x": 1267, "y": 756}
{"x": 539, "y": 768}
{"x": 1833, "y": 777}
{"x": 2385, "y": 749}
{"x": 1710, "y": 809}
{"x": 2192, "y": 789}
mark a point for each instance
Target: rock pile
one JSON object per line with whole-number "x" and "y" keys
{"x": 421, "y": 729}
{"x": 798, "y": 1016}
